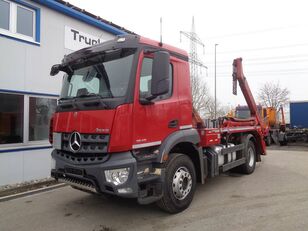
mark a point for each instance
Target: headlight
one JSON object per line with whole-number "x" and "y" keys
{"x": 53, "y": 163}
{"x": 117, "y": 176}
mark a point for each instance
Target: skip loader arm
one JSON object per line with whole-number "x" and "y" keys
{"x": 238, "y": 75}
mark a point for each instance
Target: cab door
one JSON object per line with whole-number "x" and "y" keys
{"x": 154, "y": 122}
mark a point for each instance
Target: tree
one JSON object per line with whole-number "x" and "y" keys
{"x": 204, "y": 102}
{"x": 220, "y": 112}
{"x": 273, "y": 95}
{"x": 200, "y": 94}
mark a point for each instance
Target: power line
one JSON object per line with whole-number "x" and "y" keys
{"x": 248, "y": 60}
{"x": 265, "y": 73}
{"x": 255, "y": 32}
{"x": 267, "y": 63}
{"x": 268, "y": 73}
{"x": 279, "y": 57}
{"x": 265, "y": 48}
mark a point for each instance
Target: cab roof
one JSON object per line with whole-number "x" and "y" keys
{"x": 123, "y": 41}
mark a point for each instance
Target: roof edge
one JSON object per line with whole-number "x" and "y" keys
{"x": 57, "y": 6}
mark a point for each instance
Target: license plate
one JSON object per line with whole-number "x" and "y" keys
{"x": 74, "y": 171}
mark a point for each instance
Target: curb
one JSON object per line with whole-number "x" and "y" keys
{"x": 31, "y": 192}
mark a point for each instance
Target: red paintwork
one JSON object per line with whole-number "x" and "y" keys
{"x": 116, "y": 122}
{"x": 150, "y": 122}
{"x": 209, "y": 137}
{"x": 184, "y": 93}
{"x": 84, "y": 121}
{"x": 122, "y": 129}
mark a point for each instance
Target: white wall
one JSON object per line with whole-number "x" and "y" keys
{"x": 16, "y": 167}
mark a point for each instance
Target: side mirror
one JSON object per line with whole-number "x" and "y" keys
{"x": 55, "y": 69}
{"x": 160, "y": 73}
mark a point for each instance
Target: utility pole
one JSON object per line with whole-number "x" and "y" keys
{"x": 215, "y": 103}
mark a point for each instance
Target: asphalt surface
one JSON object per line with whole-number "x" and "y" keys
{"x": 274, "y": 197}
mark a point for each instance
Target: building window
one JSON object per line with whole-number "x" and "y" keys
{"x": 40, "y": 111}
{"x": 20, "y": 20}
{"x": 11, "y": 118}
{"x": 4, "y": 15}
{"x": 25, "y": 21}
{"x": 24, "y": 118}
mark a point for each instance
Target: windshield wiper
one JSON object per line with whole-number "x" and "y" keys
{"x": 88, "y": 95}
{"x": 67, "y": 102}
{"x": 64, "y": 98}
{"x": 97, "y": 96}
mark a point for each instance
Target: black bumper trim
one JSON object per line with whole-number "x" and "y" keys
{"x": 94, "y": 173}
{"x": 91, "y": 177}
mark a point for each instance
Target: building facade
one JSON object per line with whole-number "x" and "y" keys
{"x": 34, "y": 35}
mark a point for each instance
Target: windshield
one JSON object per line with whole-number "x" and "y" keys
{"x": 242, "y": 113}
{"x": 107, "y": 79}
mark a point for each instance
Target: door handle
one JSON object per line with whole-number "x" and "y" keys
{"x": 173, "y": 124}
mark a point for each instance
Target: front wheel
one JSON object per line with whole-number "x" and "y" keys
{"x": 180, "y": 184}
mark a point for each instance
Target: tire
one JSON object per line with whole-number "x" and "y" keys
{"x": 180, "y": 184}
{"x": 283, "y": 139}
{"x": 268, "y": 140}
{"x": 249, "y": 166}
{"x": 306, "y": 138}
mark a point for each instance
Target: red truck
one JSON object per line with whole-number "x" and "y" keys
{"x": 125, "y": 125}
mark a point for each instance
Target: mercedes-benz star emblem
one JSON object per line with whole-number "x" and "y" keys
{"x": 75, "y": 141}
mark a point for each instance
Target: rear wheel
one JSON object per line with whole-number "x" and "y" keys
{"x": 283, "y": 139}
{"x": 249, "y": 166}
{"x": 306, "y": 137}
{"x": 180, "y": 184}
{"x": 268, "y": 140}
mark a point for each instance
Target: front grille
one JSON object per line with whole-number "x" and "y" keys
{"x": 82, "y": 158}
{"x": 90, "y": 143}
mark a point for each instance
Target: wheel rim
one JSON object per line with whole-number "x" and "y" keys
{"x": 251, "y": 156}
{"x": 181, "y": 183}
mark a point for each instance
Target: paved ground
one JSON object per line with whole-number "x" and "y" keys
{"x": 296, "y": 146}
{"x": 275, "y": 197}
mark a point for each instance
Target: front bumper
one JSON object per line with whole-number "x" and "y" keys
{"x": 141, "y": 183}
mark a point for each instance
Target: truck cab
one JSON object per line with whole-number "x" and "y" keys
{"x": 119, "y": 102}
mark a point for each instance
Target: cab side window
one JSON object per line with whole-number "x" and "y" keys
{"x": 146, "y": 77}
